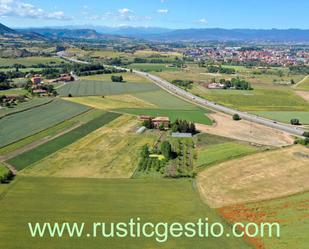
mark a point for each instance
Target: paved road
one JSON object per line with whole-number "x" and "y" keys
{"x": 297, "y": 131}
{"x": 208, "y": 104}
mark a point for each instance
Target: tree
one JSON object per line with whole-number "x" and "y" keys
{"x": 236, "y": 117}
{"x": 295, "y": 121}
{"x": 145, "y": 151}
{"x": 161, "y": 127}
{"x": 292, "y": 81}
{"x": 148, "y": 124}
{"x": 192, "y": 128}
{"x": 306, "y": 134}
{"x": 115, "y": 78}
{"x": 166, "y": 149}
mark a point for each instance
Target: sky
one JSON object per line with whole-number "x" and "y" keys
{"x": 174, "y": 14}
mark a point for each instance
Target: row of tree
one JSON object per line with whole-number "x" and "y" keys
{"x": 236, "y": 83}
{"x": 220, "y": 69}
{"x": 183, "y": 126}
{"x": 187, "y": 84}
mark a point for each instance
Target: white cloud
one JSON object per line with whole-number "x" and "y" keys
{"x": 163, "y": 11}
{"x": 125, "y": 11}
{"x": 122, "y": 15}
{"x": 203, "y": 21}
{"x": 20, "y": 9}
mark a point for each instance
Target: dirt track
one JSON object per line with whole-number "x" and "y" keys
{"x": 245, "y": 131}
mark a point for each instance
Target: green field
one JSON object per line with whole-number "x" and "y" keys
{"x": 52, "y": 131}
{"x": 27, "y": 158}
{"x": 149, "y": 67}
{"x": 256, "y": 100}
{"x": 303, "y": 84}
{"x": 165, "y": 100}
{"x": 286, "y": 117}
{"x": 290, "y": 212}
{"x": 27, "y": 123}
{"x": 23, "y": 106}
{"x": 208, "y": 155}
{"x": 204, "y": 139}
{"x": 95, "y": 200}
{"x": 197, "y": 116}
{"x": 112, "y": 151}
{"x": 99, "y": 88}
{"x": 19, "y": 91}
{"x": 30, "y": 61}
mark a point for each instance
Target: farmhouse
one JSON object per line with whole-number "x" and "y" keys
{"x": 36, "y": 79}
{"x": 156, "y": 122}
{"x": 65, "y": 78}
{"x": 145, "y": 118}
{"x": 159, "y": 121}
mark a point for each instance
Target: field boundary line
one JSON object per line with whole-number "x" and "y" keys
{"x": 37, "y": 143}
{"x": 27, "y": 109}
{"x": 90, "y": 109}
{"x": 10, "y": 167}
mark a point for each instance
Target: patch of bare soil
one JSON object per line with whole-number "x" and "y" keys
{"x": 245, "y": 131}
{"x": 303, "y": 94}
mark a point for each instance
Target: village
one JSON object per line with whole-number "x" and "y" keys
{"x": 259, "y": 56}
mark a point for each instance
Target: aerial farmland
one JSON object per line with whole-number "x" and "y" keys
{"x": 144, "y": 138}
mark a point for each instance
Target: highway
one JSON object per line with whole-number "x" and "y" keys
{"x": 297, "y": 131}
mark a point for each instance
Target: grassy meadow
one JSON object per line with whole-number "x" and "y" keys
{"x": 104, "y": 200}
{"x": 286, "y": 117}
{"x": 30, "y": 61}
{"x": 29, "y": 157}
{"x": 112, "y": 102}
{"x": 213, "y": 154}
{"x": 103, "y": 88}
{"x": 109, "y": 152}
{"x": 303, "y": 84}
{"x": 248, "y": 179}
{"x": 152, "y": 67}
{"x": 255, "y": 100}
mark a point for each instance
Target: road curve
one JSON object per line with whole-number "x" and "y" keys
{"x": 208, "y": 104}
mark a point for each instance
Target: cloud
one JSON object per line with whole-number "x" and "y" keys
{"x": 203, "y": 21}
{"x": 125, "y": 11}
{"x": 162, "y": 11}
{"x": 17, "y": 8}
{"x": 122, "y": 15}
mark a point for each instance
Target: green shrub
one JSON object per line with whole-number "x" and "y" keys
{"x": 236, "y": 117}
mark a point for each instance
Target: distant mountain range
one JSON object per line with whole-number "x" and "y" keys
{"x": 161, "y": 34}
{"x": 258, "y": 35}
{"x": 211, "y": 34}
{"x": 59, "y": 33}
{"x": 6, "y": 32}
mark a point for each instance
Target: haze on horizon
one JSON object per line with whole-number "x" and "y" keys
{"x": 175, "y": 14}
